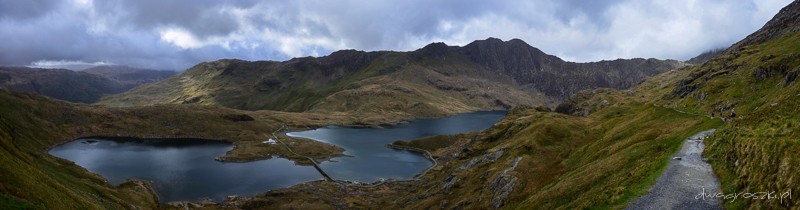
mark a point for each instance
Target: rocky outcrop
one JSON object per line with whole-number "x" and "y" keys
{"x": 483, "y": 159}
{"x": 529, "y": 66}
{"x": 503, "y": 185}
{"x": 452, "y": 179}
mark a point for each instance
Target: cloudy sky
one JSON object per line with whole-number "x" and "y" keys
{"x": 178, "y": 34}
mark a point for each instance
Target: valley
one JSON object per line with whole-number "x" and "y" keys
{"x": 491, "y": 124}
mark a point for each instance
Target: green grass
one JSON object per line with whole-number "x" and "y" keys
{"x": 601, "y": 161}
{"x": 763, "y": 138}
{"x": 628, "y": 147}
{"x": 30, "y": 124}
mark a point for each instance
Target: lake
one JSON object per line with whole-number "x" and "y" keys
{"x": 371, "y": 159}
{"x": 185, "y": 169}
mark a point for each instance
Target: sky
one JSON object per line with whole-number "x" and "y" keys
{"x": 178, "y": 34}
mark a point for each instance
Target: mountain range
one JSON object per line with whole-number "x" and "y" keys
{"x": 436, "y": 80}
{"x": 86, "y": 86}
{"x": 604, "y": 147}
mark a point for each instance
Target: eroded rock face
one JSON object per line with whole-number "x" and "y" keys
{"x": 503, "y": 185}
{"x": 554, "y": 77}
{"x": 483, "y": 159}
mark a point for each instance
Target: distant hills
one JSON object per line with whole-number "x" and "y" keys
{"x": 609, "y": 148}
{"x": 129, "y": 77}
{"x": 432, "y": 81}
{"x": 86, "y": 86}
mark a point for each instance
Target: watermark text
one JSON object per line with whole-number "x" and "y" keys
{"x": 772, "y": 195}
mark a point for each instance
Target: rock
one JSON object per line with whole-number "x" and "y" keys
{"x": 503, "y": 185}
{"x": 449, "y": 182}
{"x": 443, "y": 203}
{"x": 487, "y": 158}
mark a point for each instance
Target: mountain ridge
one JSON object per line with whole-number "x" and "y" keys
{"x": 435, "y": 80}
{"x": 85, "y": 86}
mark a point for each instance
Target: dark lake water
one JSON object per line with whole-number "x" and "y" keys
{"x": 183, "y": 169}
{"x": 186, "y": 169}
{"x": 372, "y": 160}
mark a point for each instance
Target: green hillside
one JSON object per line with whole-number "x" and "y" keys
{"x": 30, "y": 125}
{"x": 434, "y": 81}
{"x": 601, "y": 148}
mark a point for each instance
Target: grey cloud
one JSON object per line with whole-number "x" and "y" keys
{"x": 22, "y": 10}
{"x": 203, "y": 17}
{"x": 130, "y": 32}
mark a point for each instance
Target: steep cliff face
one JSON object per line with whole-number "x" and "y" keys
{"x": 435, "y": 80}
{"x": 529, "y": 66}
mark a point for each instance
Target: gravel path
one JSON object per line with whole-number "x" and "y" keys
{"x": 682, "y": 182}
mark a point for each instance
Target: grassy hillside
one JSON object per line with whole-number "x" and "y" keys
{"x": 384, "y": 86}
{"x": 86, "y": 86}
{"x": 561, "y": 162}
{"x": 31, "y": 124}
{"x": 129, "y": 77}
{"x": 543, "y": 160}
{"x": 434, "y": 81}
{"x": 33, "y": 179}
{"x": 603, "y": 149}
{"x": 758, "y": 152}
{"x": 61, "y": 84}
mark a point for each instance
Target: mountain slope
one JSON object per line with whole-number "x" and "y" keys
{"x": 432, "y": 81}
{"x": 705, "y": 56}
{"x": 531, "y": 159}
{"x": 539, "y": 160}
{"x": 31, "y": 124}
{"x": 757, "y": 80}
{"x": 129, "y": 77}
{"x": 61, "y": 84}
{"x": 86, "y": 86}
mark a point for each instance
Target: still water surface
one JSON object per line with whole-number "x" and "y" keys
{"x": 372, "y": 160}
{"x": 186, "y": 169}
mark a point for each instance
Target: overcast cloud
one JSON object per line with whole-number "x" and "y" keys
{"x": 178, "y": 34}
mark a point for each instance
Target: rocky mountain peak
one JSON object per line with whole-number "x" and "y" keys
{"x": 786, "y": 21}
{"x": 434, "y": 49}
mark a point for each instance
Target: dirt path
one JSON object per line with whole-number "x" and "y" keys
{"x": 686, "y": 177}
{"x": 314, "y": 162}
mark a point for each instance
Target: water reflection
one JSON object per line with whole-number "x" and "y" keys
{"x": 186, "y": 169}
{"x": 183, "y": 169}
{"x": 372, "y": 160}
